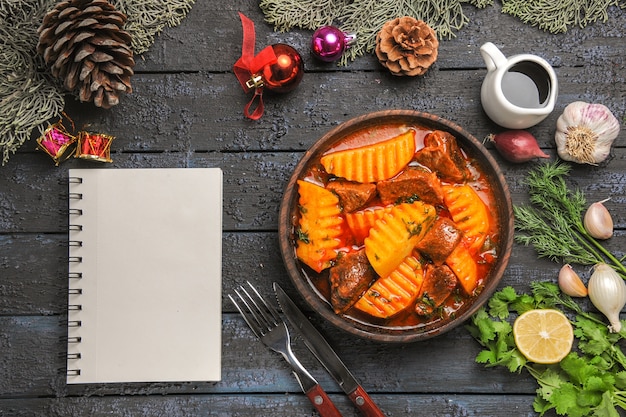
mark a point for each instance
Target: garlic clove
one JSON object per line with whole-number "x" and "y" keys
{"x": 570, "y": 283}
{"x": 607, "y": 292}
{"x": 598, "y": 221}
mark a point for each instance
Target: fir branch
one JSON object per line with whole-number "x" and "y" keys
{"x": 480, "y": 4}
{"x": 148, "y": 18}
{"x": 29, "y": 97}
{"x": 365, "y": 18}
{"x": 557, "y": 16}
{"x": 305, "y": 14}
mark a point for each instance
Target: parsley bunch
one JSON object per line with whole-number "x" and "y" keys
{"x": 590, "y": 381}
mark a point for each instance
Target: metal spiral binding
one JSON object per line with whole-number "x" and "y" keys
{"x": 73, "y": 227}
{"x": 70, "y": 180}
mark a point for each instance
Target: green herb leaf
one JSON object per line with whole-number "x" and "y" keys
{"x": 552, "y": 222}
{"x": 589, "y": 381}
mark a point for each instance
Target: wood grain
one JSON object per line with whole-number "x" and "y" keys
{"x": 187, "y": 111}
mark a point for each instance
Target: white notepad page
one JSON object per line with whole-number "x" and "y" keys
{"x": 150, "y": 292}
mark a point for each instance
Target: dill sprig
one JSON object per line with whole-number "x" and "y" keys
{"x": 553, "y": 221}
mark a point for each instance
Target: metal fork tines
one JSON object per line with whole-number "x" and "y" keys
{"x": 267, "y": 325}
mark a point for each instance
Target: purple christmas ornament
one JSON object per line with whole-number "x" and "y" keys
{"x": 329, "y": 43}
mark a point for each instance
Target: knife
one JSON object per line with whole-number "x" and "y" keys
{"x": 325, "y": 354}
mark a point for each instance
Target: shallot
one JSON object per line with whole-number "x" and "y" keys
{"x": 607, "y": 292}
{"x": 517, "y": 146}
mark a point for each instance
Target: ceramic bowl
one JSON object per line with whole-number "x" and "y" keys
{"x": 304, "y": 278}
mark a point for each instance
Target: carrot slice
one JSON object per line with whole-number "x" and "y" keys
{"x": 469, "y": 212}
{"x": 464, "y": 267}
{"x": 360, "y": 222}
{"x": 371, "y": 163}
{"x": 321, "y": 226}
{"x": 394, "y": 236}
{"x": 392, "y": 294}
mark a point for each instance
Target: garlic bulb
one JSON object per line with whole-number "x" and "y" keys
{"x": 607, "y": 291}
{"x": 585, "y": 133}
{"x": 570, "y": 283}
{"x": 598, "y": 221}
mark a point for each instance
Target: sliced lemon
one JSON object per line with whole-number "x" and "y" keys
{"x": 543, "y": 335}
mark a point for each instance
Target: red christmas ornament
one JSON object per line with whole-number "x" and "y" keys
{"x": 283, "y": 75}
{"x": 277, "y": 68}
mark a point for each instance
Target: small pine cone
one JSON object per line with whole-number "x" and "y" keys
{"x": 406, "y": 46}
{"x": 84, "y": 44}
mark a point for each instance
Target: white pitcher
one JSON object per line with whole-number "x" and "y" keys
{"x": 517, "y": 92}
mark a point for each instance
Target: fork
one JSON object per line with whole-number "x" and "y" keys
{"x": 266, "y": 324}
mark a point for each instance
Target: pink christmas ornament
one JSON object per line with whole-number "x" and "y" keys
{"x": 329, "y": 43}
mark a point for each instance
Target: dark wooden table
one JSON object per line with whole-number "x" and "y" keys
{"x": 186, "y": 111}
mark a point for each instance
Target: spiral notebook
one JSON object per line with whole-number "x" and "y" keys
{"x": 144, "y": 275}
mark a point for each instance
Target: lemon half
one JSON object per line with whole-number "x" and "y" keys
{"x": 543, "y": 335}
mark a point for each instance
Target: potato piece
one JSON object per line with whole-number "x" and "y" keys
{"x": 321, "y": 226}
{"x": 360, "y": 222}
{"x": 469, "y": 212}
{"x": 372, "y": 163}
{"x": 464, "y": 267}
{"x": 394, "y": 236}
{"x": 394, "y": 293}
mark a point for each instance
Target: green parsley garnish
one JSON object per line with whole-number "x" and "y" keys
{"x": 302, "y": 236}
{"x": 590, "y": 381}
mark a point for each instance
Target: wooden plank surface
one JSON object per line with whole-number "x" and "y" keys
{"x": 186, "y": 111}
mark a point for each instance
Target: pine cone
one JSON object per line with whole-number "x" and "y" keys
{"x": 84, "y": 43}
{"x": 406, "y": 46}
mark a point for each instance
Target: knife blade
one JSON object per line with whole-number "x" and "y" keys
{"x": 316, "y": 343}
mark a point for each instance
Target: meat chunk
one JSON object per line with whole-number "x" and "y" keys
{"x": 440, "y": 240}
{"x": 349, "y": 278}
{"x": 412, "y": 183}
{"x": 352, "y": 195}
{"x": 442, "y": 154}
{"x": 439, "y": 282}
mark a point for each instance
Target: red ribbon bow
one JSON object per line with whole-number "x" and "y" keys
{"x": 249, "y": 66}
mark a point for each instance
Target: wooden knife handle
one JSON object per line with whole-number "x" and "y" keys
{"x": 364, "y": 403}
{"x": 322, "y": 403}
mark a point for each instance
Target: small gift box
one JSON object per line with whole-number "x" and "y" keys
{"x": 94, "y": 146}
{"x": 56, "y": 142}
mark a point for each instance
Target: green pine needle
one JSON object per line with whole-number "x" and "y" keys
{"x": 365, "y": 18}
{"x": 558, "y": 16}
{"x": 30, "y": 99}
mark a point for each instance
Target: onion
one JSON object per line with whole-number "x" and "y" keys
{"x": 607, "y": 292}
{"x": 517, "y": 146}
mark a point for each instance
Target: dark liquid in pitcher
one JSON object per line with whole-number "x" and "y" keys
{"x": 526, "y": 84}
